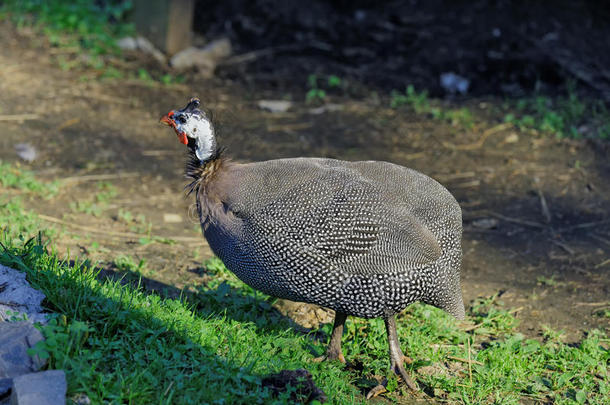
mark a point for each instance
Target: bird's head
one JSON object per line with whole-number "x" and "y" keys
{"x": 193, "y": 128}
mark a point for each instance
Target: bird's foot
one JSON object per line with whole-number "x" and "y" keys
{"x": 377, "y": 390}
{"x": 402, "y": 373}
{"x": 330, "y": 355}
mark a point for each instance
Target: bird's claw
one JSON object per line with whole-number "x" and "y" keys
{"x": 330, "y": 357}
{"x": 377, "y": 390}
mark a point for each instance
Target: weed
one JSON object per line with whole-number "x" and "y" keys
{"x": 127, "y": 263}
{"x": 314, "y": 94}
{"x": 90, "y": 25}
{"x": 421, "y": 104}
{"x": 319, "y": 87}
{"x": 12, "y": 176}
{"x": 98, "y": 203}
{"x": 563, "y": 116}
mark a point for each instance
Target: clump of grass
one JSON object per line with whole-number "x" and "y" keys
{"x": 98, "y": 203}
{"x": 89, "y": 25}
{"x": 15, "y": 177}
{"x": 320, "y": 86}
{"x": 119, "y": 343}
{"x": 421, "y": 104}
{"x": 563, "y": 117}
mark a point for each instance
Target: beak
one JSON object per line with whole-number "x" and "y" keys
{"x": 167, "y": 120}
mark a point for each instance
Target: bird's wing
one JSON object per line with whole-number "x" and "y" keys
{"x": 340, "y": 219}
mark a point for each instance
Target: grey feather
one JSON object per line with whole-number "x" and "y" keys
{"x": 363, "y": 238}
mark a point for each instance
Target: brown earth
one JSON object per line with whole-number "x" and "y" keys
{"x": 550, "y": 264}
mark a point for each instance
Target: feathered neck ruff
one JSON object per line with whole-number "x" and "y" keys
{"x": 202, "y": 172}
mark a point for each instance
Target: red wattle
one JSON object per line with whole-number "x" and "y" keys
{"x": 182, "y": 138}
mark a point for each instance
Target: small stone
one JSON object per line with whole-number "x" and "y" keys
{"x": 18, "y": 298}
{"x": 81, "y": 399}
{"x": 147, "y": 47}
{"x": 274, "y": 106}
{"x": 454, "y": 83}
{"x": 44, "y": 388}
{"x": 15, "y": 339}
{"x": 127, "y": 43}
{"x": 512, "y": 138}
{"x": 205, "y": 58}
{"x": 26, "y": 152}
{"x": 172, "y": 218}
{"x": 141, "y": 44}
{"x": 485, "y": 223}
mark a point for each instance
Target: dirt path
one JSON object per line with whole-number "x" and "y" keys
{"x": 550, "y": 263}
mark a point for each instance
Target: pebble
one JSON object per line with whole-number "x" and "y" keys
{"x": 43, "y": 388}
{"x": 274, "y": 106}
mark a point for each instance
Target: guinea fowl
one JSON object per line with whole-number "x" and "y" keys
{"x": 362, "y": 238}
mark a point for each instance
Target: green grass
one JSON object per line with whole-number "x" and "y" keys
{"x": 563, "y": 116}
{"x": 89, "y": 25}
{"x": 98, "y": 202}
{"x": 421, "y": 104}
{"x": 17, "y": 178}
{"x": 119, "y": 343}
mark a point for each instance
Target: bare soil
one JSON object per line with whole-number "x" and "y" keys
{"x": 553, "y": 269}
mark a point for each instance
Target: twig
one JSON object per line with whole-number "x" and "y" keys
{"x": 584, "y": 225}
{"x": 605, "y": 262}
{"x": 478, "y": 363}
{"x": 469, "y": 362}
{"x": 130, "y": 235}
{"x": 479, "y": 144}
{"x": 454, "y": 176}
{"x": 592, "y": 304}
{"x": 543, "y": 205}
{"x": 168, "y": 388}
{"x": 600, "y": 239}
{"x": 158, "y": 152}
{"x": 19, "y": 117}
{"x": 563, "y": 246}
{"x": 97, "y": 177}
{"x": 289, "y": 127}
{"x": 102, "y": 97}
{"x": 517, "y": 220}
{"x": 473, "y": 183}
{"x": 67, "y": 123}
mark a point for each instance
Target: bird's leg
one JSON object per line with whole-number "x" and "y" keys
{"x": 396, "y": 360}
{"x": 333, "y": 351}
{"x": 396, "y": 355}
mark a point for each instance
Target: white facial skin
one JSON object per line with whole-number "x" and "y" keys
{"x": 199, "y": 128}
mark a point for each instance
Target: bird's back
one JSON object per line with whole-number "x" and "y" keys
{"x": 365, "y": 238}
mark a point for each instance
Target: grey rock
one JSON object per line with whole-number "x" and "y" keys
{"x": 205, "y": 58}
{"x": 26, "y": 152}
{"x": 454, "y": 83}
{"x": 18, "y": 298}
{"x": 5, "y": 386}
{"x": 485, "y": 223}
{"x": 274, "y": 106}
{"x": 15, "y": 339}
{"x": 44, "y": 388}
{"x": 141, "y": 44}
{"x": 128, "y": 43}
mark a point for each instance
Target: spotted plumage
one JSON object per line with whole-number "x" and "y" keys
{"x": 363, "y": 238}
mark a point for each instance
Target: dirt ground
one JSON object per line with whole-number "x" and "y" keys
{"x": 553, "y": 270}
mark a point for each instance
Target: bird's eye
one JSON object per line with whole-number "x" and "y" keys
{"x": 181, "y": 119}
